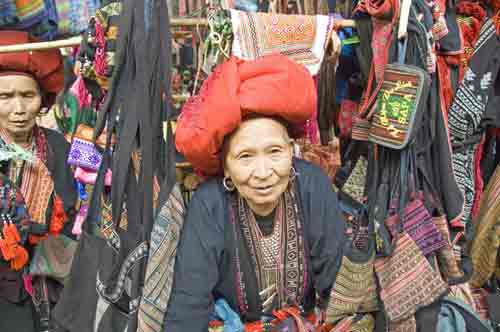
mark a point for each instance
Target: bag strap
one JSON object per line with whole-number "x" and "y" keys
{"x": 402, "y": 45}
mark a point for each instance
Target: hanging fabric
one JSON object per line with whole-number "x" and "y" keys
{"x": 108, "y": 274}
{"x": 302, "y": 38}
{"x": 467, "y": 111}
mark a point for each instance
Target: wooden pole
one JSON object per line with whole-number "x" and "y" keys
{"x": 75, "y": 41}
{"x": 175, "y": 22}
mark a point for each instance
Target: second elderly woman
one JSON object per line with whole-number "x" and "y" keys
{"x": 33, "y": 170}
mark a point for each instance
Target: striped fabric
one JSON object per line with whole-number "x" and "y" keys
{"x": 407, "y": 280}
{"x": 354, "y": 291}
{"x": 486, "y": 242}
{"x": 8, "y": 14}
{"x": 467, "y": 110}
{"x": 160, "y": 268}
{"x": 30, "y": 12}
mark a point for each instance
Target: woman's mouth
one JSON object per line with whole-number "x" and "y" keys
{"x": 20, "y": 123}
{"x": 264, "y": 189}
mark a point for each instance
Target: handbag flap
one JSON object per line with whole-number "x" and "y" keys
{"x": 402, "y": 96}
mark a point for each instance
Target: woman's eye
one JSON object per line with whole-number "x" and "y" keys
{"x": 244, "y": 156}
{"x": 4, "y": 96}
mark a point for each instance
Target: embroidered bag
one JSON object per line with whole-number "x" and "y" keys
{"x": 407, "y": 280}
{"x": 355, "y": 288}
{"x": 399, "y": 103}
{"x": 355, "y": 183}
{"x": 83, "y": 153}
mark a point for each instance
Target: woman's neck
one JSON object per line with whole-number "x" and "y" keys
{"x": 24, "y": 140}
{"x": 263, "y": 210}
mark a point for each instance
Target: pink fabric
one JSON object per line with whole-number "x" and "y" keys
{"x": 89, "y": 177}
{"x": 79, "y": 90}
{"x": 28, "y": 284}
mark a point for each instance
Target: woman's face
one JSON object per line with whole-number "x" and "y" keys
{"x": 259, "y": 161}
{"x": 20, "y": 103}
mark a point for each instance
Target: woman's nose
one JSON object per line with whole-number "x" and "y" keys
{"x": 262, "y": 168}
{"x": 18, "y": 106}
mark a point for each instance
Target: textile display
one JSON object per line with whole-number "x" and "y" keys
{"x": 301, "y": 38}
{"x": 467, "y": 111}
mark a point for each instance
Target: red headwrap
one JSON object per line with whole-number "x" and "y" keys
{"x": 45, "y": 66}
{"x": 272, "y": 85}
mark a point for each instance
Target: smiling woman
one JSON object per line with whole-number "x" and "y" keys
{"x": 263, "y": 236}
{"x": 41, "y": 183}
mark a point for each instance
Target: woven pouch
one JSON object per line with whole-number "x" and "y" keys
{"x": 399, "y": 103}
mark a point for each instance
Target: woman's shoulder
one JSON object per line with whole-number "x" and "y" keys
{"x": 309, "y": 174}
{"x": 207, "y": 209}
{"x": 210, "y": 193}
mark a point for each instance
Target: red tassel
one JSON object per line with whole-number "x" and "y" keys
{"x": 12, "y": 229}
{"x": 20, "y": 259}
{"x": 6, "y": 250}
{"x": 59, "y": 216}
{"x": 8, "y": 235}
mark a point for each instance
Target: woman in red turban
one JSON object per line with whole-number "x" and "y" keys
{"x": 33, "y": 169}
{"x": 265, "y": 231}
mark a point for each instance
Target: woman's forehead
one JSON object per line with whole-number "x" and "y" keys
{"x": 18, "y": 82}
{"x": 259, "y": 133}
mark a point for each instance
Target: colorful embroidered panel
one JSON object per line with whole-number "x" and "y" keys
{"x": 302, "y": 38}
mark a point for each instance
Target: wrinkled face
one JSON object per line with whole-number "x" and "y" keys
{"x": 20, "y": 103}
{"x": 259, "y": 161}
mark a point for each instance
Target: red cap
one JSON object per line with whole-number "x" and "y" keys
{"x": 272, "y": 85}
{"x": 45, "y": 66}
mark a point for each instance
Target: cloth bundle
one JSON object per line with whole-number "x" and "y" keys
{"x": 301, "y": 38}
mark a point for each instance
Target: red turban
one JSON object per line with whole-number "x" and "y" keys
{"x": 45, "y": 66}
{"x": 272, "y": 85}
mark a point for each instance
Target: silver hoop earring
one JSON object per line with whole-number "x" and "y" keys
{"x": 293, "y": 173}
{"x": 228, "y": 184}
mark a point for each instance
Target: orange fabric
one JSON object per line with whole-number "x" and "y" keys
{"x": 271, "y": 85}
{"x": 45, "y": 66}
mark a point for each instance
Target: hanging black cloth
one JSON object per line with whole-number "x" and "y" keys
{"x": 107, "y": 275}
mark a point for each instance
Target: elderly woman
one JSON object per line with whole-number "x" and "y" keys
{"x": 33, "y": 165}
{"x": 265, "y": 232}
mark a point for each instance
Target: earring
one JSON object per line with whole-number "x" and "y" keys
{"x": 228, "y": 184}
{"x": 293, "y": 173}
{"x": 43, "y": 111}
